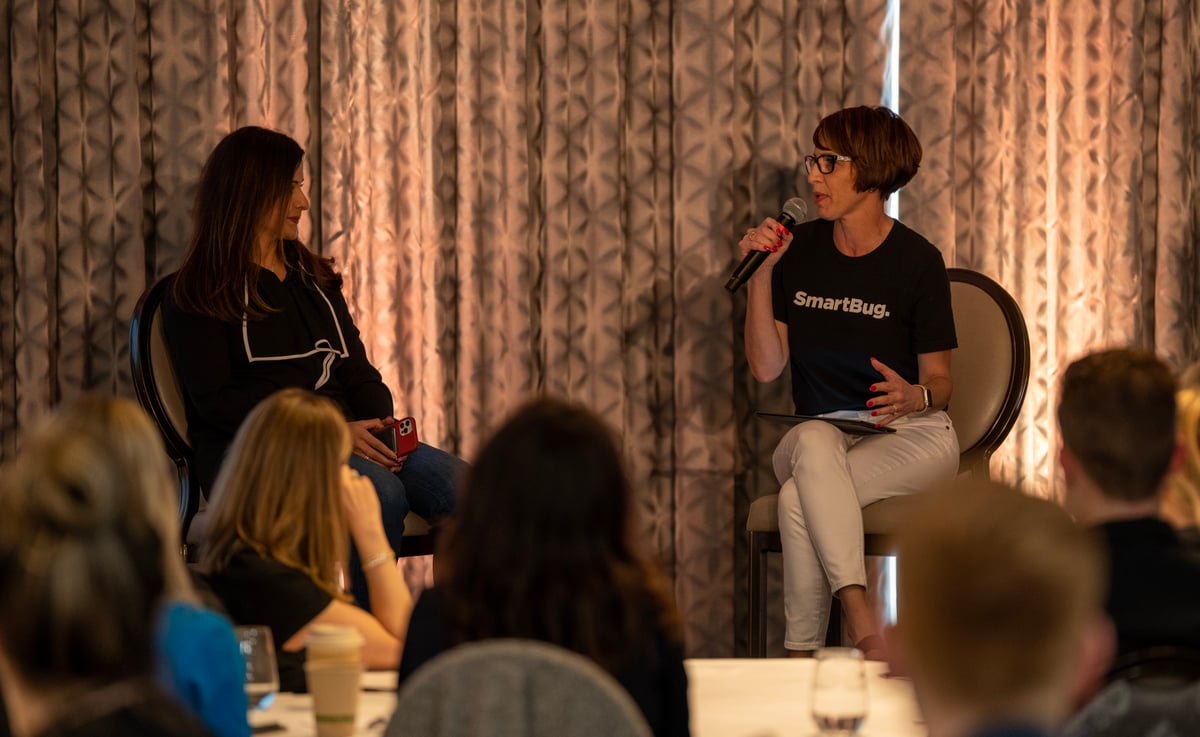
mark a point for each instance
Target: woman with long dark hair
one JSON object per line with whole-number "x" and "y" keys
{"x": 544, "y": 548}
{"x": 253, "y": 310}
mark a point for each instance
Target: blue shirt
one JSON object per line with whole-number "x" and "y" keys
{"x": 199, "y": 661}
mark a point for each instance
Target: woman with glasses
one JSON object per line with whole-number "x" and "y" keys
{"x": 858, "y": 305}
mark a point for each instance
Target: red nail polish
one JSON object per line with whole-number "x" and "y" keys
{"x": 871, "y": 389}
{"x": 874, "y": 412}
{"x": 871, "y": 402}
{"x": 878, "y": 424}
{"x": 779, "y": 231}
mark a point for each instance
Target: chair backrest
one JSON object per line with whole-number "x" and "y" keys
{"x": 1125, "y": 708}
{"x": 990, "y": 366}
{"x": 159, "y": 392}
{"x": 509, "y": 686}
{"x": 1163, "y": 666}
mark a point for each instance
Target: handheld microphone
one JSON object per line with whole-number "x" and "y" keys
{"x": 794, "y": 211}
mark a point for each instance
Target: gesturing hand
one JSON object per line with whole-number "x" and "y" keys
{"x": 896, "y": 397}
{"x": 363, "y": 443}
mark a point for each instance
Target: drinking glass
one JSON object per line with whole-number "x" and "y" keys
{"x": 262, "y": 674}
{"x": 839, "y": 695}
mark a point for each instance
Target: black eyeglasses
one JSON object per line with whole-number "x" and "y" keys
{"x": 824, "y": 162}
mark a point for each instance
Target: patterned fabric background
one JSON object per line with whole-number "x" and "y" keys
{"x": 543, "y": 197}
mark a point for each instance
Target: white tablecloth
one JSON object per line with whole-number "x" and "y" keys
{"x": 771, "y": 698}
{"x": 293, "y": 712}
{"x": 727, "y": 697}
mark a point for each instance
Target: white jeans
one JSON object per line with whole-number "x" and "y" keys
{"x": 828, "y": 477}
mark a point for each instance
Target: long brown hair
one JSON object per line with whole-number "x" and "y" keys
{"x": 279, "y": 491}
{"x": 247, "y": 178}
{"x": 542, "y": 546}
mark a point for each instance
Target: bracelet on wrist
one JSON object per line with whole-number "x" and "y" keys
{"x": 378, "y": 559}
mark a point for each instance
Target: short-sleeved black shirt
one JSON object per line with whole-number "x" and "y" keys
{"x": 891, "y": 304}
{"x": 257, "y": 590}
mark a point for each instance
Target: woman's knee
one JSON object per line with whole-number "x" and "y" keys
{"x": 806, "y": 438}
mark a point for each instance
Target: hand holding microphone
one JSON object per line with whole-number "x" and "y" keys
{"x": 794, "y": 211}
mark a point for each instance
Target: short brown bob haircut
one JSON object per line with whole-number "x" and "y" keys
{"x": 885, "y": 151}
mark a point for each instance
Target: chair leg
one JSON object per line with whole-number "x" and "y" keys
{"x": 756, "y": 636}
{"x": 833, "y": 633}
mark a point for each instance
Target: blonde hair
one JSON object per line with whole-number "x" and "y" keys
{"x": 138, "y": 444}
{"x": 995, "y": 589}
{"x": 279, "y": 490}
{"x": 88, "y": 545}
{"x": 1183, "y": 486}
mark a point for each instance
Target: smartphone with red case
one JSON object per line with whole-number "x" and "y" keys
{"x": 399, "y": 435}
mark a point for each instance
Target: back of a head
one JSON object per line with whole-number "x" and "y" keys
{"x": 279, "y": 489}
{"x": 548, "y": 487}
{"x": 1116, "y": 414}
{"x": 81, "y": 560}
{"x": 542, "y": 547}
{"x": 995, "y": 591}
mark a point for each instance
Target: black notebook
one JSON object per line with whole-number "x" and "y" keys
{"x": 854, "y": 427}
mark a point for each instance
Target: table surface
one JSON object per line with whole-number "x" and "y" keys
{"x": 740, "y": 697}
{"x": 293, "y": 712}
{"x": 735, "y": 697}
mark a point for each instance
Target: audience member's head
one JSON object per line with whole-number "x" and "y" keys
{"x": 138, "y": 444}
{"x": 1000, "y": 608}
{"x": 1116, "y": 415}
{"x": 279, "y": 489}
{"x": 544, "y": 546}
{"x": 1181, "y": 504}
{"x": 88, "y": 548}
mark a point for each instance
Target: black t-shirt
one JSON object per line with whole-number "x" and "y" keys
{"x": 1154, "y": 585}
{"x": 152, "y": 714}
{"x": 891, "y": 304}
{"x": 257, "y": 590}
{"x": 654, "y": 676}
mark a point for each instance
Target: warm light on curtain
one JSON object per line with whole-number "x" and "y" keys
{"x": 530, "y": 197}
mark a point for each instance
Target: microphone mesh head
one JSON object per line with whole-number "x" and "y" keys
{"x": 796, "y": 209}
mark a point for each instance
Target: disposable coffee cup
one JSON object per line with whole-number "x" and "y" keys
{"x": 333, "y": 668}
{"x": 333, "y": 643}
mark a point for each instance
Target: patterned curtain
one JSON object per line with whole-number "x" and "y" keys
{"x": 1063, "y": 160}
{"x": 532, "y": 196}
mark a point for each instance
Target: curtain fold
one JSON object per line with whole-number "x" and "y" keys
{"x": 1069, "y": 178}
{"x": 529, "y": 196}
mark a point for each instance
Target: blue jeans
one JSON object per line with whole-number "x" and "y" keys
{"x": 426, "y": 485}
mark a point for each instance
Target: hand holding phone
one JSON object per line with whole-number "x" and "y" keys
{"x": 399, "y": 435}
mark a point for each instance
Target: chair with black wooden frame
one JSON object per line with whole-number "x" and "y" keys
{"x": 159, "y": 393}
